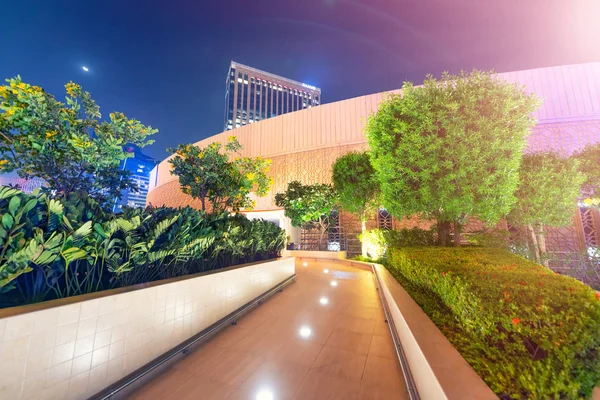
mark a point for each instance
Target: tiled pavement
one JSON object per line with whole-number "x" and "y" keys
{"x": 312, "y": 341}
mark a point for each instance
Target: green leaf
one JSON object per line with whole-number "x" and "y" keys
{"x": 13, "y": 205}
{"x": 7, "y": 221}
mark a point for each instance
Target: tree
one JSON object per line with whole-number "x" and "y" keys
{"x": 219, "y": 176}
{"x": 547, "y": 196}
{"x": 308, "y": 206}
{"x": 66, "y": 144}
{"x": 357, "y": 188}
{"x": 589, "y": 165}
{"x": 451, "y": 149}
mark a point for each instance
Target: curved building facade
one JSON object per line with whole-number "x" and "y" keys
{"x": 304, "y": 144}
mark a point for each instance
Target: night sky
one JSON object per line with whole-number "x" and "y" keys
{"x": 165, "y": 62}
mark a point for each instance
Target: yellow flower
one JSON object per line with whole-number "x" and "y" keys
{"x": 50, "y": 134}
{"x": 3, "y": 162}
{"x": 200, "y": 155}
{"x": 250, "y": 176}
{"x": 10, "y": 112}
{"x": 231, "y": 139}
{"x": 72, "y": 89}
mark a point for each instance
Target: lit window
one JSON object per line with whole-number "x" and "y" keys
{"x": 239, "y": 79}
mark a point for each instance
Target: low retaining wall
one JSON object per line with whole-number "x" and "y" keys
{"x": 438, "y": 369}
{"x": 327, "y": 255}
{"x": 73, "y": 348}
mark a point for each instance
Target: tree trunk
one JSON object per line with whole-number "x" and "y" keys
{"x": 363, "y": 228}
{"x": 541, "y": 240}
{"x": 534, "y": 240}
{"x": 443, "y": 233}
{"x": 203, "y": 203}
{"x": 457, "y": 232}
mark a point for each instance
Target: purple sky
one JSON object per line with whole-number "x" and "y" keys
{"x": 165, "y": 62}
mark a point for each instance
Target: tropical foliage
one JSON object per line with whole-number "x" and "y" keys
{"x": 357, "y": 188}
{"x": 528, "y": 332}
{"x": 549, "y": 186}
{"x": 451, "y": 149}
{"x": 308, "y": 206}
{"x": 66, "y": 145}
{"x": 219, "y": 176}
{"x": 53, "y": 248}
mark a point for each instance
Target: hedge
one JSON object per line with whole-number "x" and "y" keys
{"x": 52, "y": 248}
{"x": 527, "y": 331}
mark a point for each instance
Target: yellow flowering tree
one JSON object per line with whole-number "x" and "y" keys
{"x": 219, "y": 176}
{"x": 66, "y": 144}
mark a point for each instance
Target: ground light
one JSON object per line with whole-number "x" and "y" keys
{"x": 324, "y": 300}
{"x": 333, "y": 283}
{"x": 305, "y": 332}
{"x": 264, "y": 394}
{"x": 305, "y": 264}
{"x": 326, "y": 271}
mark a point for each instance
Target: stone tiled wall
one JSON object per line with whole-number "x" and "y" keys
{"x": 73, "y": 351}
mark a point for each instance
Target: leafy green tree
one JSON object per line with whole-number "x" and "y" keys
{"x": 451, "y": 149}
{"x": 547, "y": 195}
{"x": 589, "y": 165}
{"x": 219, "y": 176}
{"x": 66, "y": 144}
{"x": 308, "y": 206}
{"x": 357, "y": 188}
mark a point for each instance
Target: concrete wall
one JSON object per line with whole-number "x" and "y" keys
{"x": 72, "y": 348}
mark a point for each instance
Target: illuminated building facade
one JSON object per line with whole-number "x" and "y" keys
{"x": 140, "y": 166}
{"x": 303, "y": 146}
{"x": 253, "y": 95}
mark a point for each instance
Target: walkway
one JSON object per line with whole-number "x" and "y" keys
{"x": 312, "y": 341}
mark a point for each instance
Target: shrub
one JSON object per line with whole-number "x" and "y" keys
{"x": 528, "y": 332}
{"x": 52, "y": 249}
{"x": 377, "y": 241}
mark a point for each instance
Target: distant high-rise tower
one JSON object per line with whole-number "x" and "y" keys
{"x": 140, "y": 166}
{"x": 253, "y": 95}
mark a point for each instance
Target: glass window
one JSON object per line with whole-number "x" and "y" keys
{"x": 245, "y": 104}
{"x": 263, "y": 101}
{"x": 280, "y": 108}
{"x": 252, "y": 97}
{"x": 274, "y": 101}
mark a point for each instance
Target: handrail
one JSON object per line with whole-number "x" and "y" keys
{"x": 411, "y": 387}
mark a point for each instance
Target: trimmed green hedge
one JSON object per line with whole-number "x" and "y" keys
{"x": 528, "y": 332}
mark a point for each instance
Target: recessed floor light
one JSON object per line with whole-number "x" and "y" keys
{"x": 323, "y": 300}
{"x": 305, "y": 332}
{"x": 326, "y": 270}
{"x": 264, "y": 394}
{"x": 333, "y": 283}
{"x": 305, "y": 264}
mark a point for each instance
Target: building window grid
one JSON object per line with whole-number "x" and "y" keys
{"x": 254, "y": 99}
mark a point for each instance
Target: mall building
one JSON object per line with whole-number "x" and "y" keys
{"x": 304, "y": 144}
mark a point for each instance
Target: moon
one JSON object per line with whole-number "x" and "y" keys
{"x": 86, "y": 69}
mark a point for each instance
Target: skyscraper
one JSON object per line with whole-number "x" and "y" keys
{"x": 140, "y": 166}
{"x": 253, "y": 95}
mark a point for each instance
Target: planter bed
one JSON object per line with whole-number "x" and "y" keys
{"x": 528, "y": 332}
{"x": 74, "y": 347}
